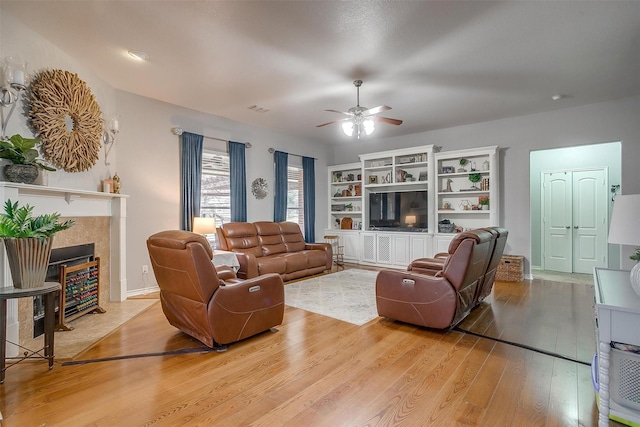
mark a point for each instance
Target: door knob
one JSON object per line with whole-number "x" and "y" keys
{"x": 575, "y": 226}
{"x": 568, "y": 227}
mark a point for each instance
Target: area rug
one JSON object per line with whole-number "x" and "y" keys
{"x": 347, "y": 295}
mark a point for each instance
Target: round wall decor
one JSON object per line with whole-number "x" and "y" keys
{"x": 259, "y": 188}
{"x": 67, "y": 118}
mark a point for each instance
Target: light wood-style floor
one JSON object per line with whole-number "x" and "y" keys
{"x": 317, "y": 371}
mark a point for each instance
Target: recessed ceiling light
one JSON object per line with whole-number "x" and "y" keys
{"x": 557, "y": 97}
{"x": 139, "y": 55}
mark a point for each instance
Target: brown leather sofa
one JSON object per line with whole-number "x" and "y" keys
{"x": 214, "y": 308}
{"x": 274, "y": 247}
{"x": 443, "y": 299}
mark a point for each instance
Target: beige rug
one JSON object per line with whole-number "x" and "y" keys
{"x": 348, "y": 295}
{"x": 92, "y": 327}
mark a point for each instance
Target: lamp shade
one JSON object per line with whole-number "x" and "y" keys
{"x": 625, "y": 225}
{"x": 410, "y": 219}
{"x": 204, "y": 225}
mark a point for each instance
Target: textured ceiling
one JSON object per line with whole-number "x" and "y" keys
{"x": 436, "y": 63}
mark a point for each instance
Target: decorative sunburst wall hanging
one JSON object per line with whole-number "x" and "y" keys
{"x": 67, "y": 119}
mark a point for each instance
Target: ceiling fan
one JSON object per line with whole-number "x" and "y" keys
{"x": 361, "y": 118}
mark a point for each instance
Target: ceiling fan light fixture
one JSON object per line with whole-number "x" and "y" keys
{"x": 347, "y": 128}
{"x": 369, "y": 126}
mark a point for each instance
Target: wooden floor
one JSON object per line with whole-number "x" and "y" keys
{"x": 317, "y": 371}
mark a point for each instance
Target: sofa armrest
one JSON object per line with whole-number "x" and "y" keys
{"x": 243, "y": 309}
{"x": 326, "y": 247}
{"x": 248, "y": 265}
{"x": 415, "y": 298}
{"x": 225, "y": 272}
{"x": 428, "y": 266}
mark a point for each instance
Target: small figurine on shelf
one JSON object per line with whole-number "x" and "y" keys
{"x": 116, "y": 184}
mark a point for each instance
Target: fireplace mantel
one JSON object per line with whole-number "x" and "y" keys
{"x": 71, "y": 203}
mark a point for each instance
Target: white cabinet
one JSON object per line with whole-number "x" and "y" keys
{"x": 465, "y": 179}
{"x": 350, "y": 242}
{"x": 419, "y": 246}
{"x": 617, "y": 309}
{"x": 401, "y": 249}
{"x": 345, "y": 196}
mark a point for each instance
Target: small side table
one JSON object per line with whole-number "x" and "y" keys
{"x": 49, "y": 290}
{"x": 225, "y": 258}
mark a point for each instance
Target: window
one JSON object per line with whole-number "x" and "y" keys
{"x": 295, "y": 196}
{"x": 215, "y": 195}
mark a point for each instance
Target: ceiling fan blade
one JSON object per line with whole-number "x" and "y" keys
{"x": 387, "y": 120}
{"x": 339, "y": 112}
{"x": 376, "y": 110}
{"x": 332, "y": 122}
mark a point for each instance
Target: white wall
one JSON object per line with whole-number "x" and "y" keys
{"x": 20, "y": 41}
{"x": 149, "y": 166}
{"x": 617, "y": 120}
{"x": 146, "y": 154}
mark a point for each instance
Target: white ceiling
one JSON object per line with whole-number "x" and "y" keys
{"x": 436, "y": 63}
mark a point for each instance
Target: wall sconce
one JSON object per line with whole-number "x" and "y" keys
{"x": 111, "y": 129}
{"x": 13, "y": 81}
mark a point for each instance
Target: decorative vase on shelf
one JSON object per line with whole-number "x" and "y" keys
{"x": 635, "y": 278}
{"x": 25, "y": 174}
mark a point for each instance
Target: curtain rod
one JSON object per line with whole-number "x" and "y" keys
{"x": 180, "y": 131}
{"x": 273, "y": 150}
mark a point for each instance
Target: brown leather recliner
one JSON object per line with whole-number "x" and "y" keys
{"x": 440, "y": 301}
{"x": 196, "y": 300}
{"x": 500, "y": 235}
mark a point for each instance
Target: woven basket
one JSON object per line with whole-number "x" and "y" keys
{"x": 511, "y": 268}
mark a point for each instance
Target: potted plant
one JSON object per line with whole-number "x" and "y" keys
{"x": 28, "y": 241}
{"x": 484, "y": 202}
{"x": 23, "y": 156}
{"x": 474, "y": 177}
{"x": 463, "y": 162}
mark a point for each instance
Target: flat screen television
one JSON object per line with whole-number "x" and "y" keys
{"x": 398, "y": 210}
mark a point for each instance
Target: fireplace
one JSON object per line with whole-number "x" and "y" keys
{"x": 69, "y": 256}
{"x": 100, "y": 218}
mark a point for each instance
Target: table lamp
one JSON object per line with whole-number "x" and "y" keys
{"x": 410, "y": 220}
{"x": 204, "y": 225}
{"x": 625, "y": 229}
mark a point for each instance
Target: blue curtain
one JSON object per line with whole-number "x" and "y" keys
{"x": 238, "y": 177}
{"x": 309, "y": 190}
{"x": 190, "y": 178}
{"x": 281, "y": 161}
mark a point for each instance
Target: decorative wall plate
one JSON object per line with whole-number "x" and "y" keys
{"x": 259, "y": 188}
{"x": 67, "y": 119}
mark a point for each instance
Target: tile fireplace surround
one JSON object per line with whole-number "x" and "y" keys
{"x": 99, "y": 216}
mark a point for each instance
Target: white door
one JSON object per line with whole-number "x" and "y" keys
{"x": 589, "y": 220}
{"x": 575, "y": 220}
{"x": 557, "y": 221}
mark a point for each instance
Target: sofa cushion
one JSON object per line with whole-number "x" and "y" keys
{"x": 316, "y": 258}
{"x": 291, "y": 236}
{"x": 270, "y": 238}
{"x": 295, "y": 261}
{"x": 241, "y": 237}
{"x": 272, "y": 264}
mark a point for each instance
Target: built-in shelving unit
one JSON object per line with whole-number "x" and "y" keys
{"x": 411, "y": 230}
{"x": 345, "y": 196}
{"x": 464, "y": 179}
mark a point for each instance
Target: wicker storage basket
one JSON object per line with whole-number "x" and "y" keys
{"x": 511, "y": 268}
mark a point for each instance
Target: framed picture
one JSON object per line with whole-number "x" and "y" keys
{"x": 373, "y": 179}
{"x": 448, "y": 169}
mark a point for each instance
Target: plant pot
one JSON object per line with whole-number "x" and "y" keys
{"x": 485, "y": 207}
{"x": 25, "y": 174}
{"x": 28, "y": 260}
